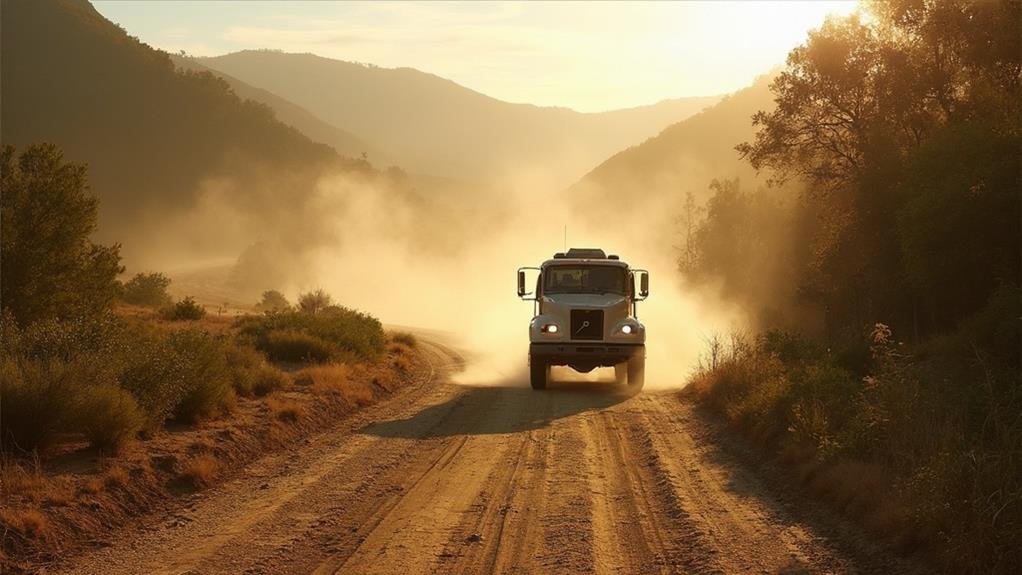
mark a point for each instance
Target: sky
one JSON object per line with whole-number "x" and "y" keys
{"x": 590, "y": 57}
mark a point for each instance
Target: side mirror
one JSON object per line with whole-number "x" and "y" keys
{"x": 644, "y": 284}
{"x": 521, "y": 283}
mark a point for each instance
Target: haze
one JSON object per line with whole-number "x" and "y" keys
{"x": 590, "y": 58}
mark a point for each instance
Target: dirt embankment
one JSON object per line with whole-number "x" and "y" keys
{"x": 582, "y": 478}
{"x": 76, "y": 500}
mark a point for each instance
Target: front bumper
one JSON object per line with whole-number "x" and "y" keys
{"x": 585, "y": 355}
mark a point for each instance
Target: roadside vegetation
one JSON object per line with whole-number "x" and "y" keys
{"x": 89, "y": 365}
{"x": 882, "y": 274}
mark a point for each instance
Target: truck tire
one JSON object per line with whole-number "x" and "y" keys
{"x": 636, "y": 372}
{"x": 538, "y": 372}
{"x": 621, "y": 373}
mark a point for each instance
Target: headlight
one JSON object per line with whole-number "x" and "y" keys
{"x": 626, "y": 329}
{"x": 549, "y": 328}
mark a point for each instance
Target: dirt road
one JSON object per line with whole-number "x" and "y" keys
{"x": 444, "y": 478}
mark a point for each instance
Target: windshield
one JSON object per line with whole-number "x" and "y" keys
{"x": 584, "y": 279}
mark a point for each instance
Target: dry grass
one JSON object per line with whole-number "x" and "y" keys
{"x": 405, "y": 339}
{"x": 200, "y": 470}
{"x": 29, "y": 523}
{"x": 18, "y": 479}
{"x": 326, "y": 379}
{"x": 357, "y": 394}
{"x": 401, "y": 363}
{"x": 284, "y": 408}
{"x": 28, "y": 482}
{"x": 116, "y": 477}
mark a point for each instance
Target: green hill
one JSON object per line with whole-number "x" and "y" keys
{"x": 684, "y": 157}
{"x": 158, "y": 142}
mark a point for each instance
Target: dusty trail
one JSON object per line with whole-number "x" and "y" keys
{"x": 443, "y": 478}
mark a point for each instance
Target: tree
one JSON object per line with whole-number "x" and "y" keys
{"x": 314, "y": 302}
{"x": 48, "y": 265}
{"x": 148, "y": 289}
{"x": 906, "y": 127}
{"x": 273, "y": 300}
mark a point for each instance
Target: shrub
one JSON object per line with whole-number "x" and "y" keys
{"x": 200, "y": 470}
{"x": 284, "y": 409}
{"x": 148, "y": 289}
{"x": 296, "y": 346}
{"x": 404, "y": 338}
{"x": 184, "y": 310}
{"x": 325, "y": 379}
{"x": 273, "y": 301}
{"x": 108, "y": 415}
{"x": 337, "y": 333}
{"x": 37, "y": 401}
{"x": 202, "y": 361}
{"x": 251, "y": 374}
{"x": 314, "y": 302}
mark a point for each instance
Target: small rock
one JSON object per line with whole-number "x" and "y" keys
{"x": 474, "y": 538}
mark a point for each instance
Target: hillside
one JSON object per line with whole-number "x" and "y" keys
{"x": 158, "y": 143}
{"x": 684, "y": 157}
{"x": 343, "y": 142}
{"x": 433, "y": 125}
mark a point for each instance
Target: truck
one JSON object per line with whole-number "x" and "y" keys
{"x": 585, "y": 315}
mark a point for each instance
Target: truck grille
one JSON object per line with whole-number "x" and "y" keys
{"x": 587, "y": 324}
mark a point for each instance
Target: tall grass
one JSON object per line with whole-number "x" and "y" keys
{"x": 927, "y": 438}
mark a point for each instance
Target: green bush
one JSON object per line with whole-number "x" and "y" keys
{"x": 202, "y": 361}
{"x": 405, "y": 338}
{"x": 184, "y": 310}
{"x": 940, "y": 419}
{"x": 148, "y": 289}
{"x": 107, "y": 415}
{"x": 251, "y": 375}
{"x": 335, "y": 333}
{"x": 314, "y": 302}
{"x": 45, "y": 397}
{"x": 151, "y": 371}
{"x": 295, "y": 346}
{"x": 35, "y": 402}
{"x": 273, "y": 301}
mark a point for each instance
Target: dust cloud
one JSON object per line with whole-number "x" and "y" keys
{"x": 377, "y": 264}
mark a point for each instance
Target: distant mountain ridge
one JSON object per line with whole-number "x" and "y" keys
{"x": 433, "y": 125}
{"x": 342, "y": 141}
{"x": 684, "y": 157}
{"x": 155, "y": 140}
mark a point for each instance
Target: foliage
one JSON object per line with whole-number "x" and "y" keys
{"x": 108, "y": 415}
{"x": 273, "y": 301}
{"x": 184, "y": 310}
{"x": 148, "y": 289}
{"x": 336, "y": 333}
{"x": 906, "y": 128}
{"x": 251, "y": 375}
{"x": 404, "y": 338}
{"x": 206, "y": 379}
{"x": 314, "y": 302}
{"x": 49, "y": 267}
{"x": 295, "y": 347}
{"x": 947, "y": 451}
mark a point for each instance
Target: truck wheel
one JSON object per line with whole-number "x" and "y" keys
{"x": 538, "y": 372}
{"x": 621, "y": 373}
{"x": 636, "y": 372}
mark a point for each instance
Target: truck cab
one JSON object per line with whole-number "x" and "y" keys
{"x": 585, "y": 315}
